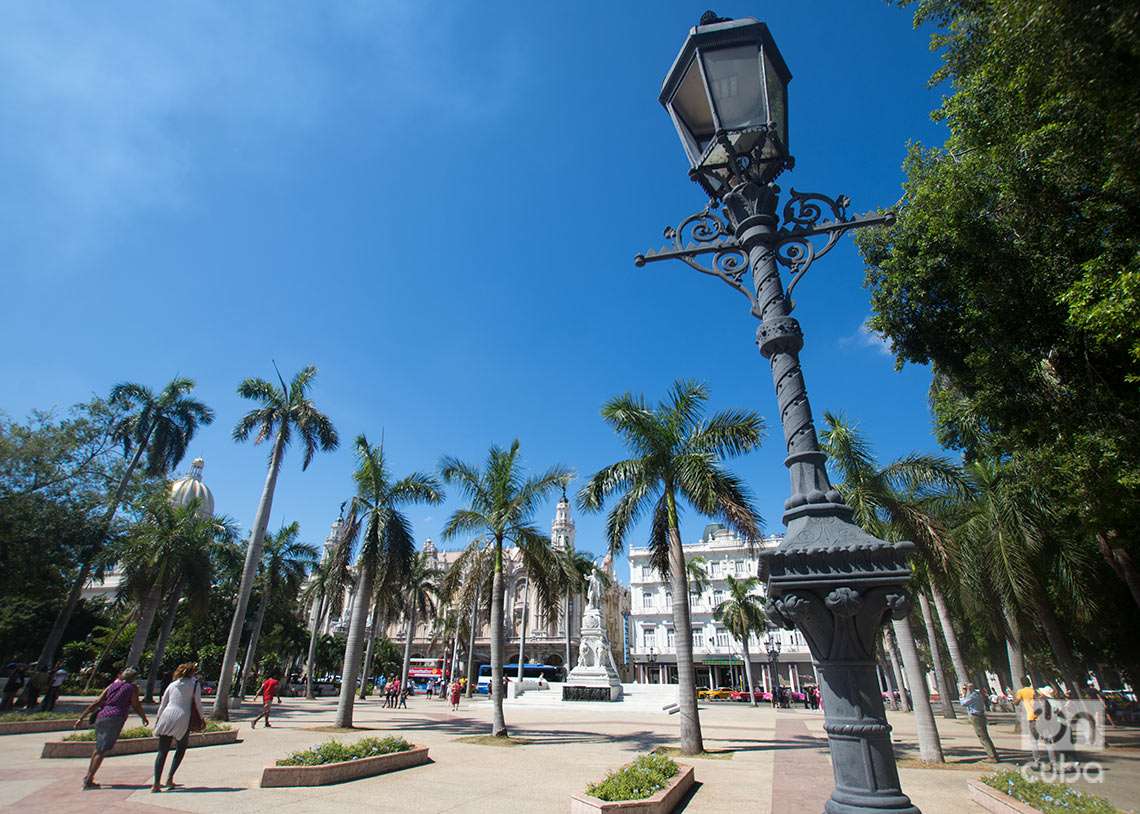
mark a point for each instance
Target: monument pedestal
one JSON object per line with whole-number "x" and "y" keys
{"x": 594, "y": 678}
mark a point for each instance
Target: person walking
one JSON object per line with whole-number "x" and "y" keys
{"x": 114, "y": 704}
{"x": 975, "y": 706}
{"x": 179, "y": 713}
{"x": 15, "y": 683}
{"x": 55, "y": 687}
{"x": 455, "y": 690}
{"x": 267, "y": 692}
{"x": 405, "y": 690}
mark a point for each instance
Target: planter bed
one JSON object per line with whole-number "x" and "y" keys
{"x": 1044, "y": 797}
{"x": 277, "y": 776}
{"x": 663, "y": 802}
{"x": 995, "y": 801}
{"x": 133, "y": 746}
{"x": 25, "y": 727}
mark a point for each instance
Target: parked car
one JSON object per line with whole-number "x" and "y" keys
{"x": 209, "y": 688}
{"x": 719, "y": 694}
{"x": 742, "y": 695}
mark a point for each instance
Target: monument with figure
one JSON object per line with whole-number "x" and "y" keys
{"x": 595, "y": 676}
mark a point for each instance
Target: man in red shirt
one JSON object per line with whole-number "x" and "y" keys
{"x": 267, "y": 692}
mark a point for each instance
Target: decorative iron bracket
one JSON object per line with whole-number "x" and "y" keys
{"x": 710, "y": 231}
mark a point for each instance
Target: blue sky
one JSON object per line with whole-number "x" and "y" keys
{"x": 438, "y": 205}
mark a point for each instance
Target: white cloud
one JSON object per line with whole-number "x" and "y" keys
{"x": 866, "y": 337}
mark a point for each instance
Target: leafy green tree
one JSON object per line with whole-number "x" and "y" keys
{"x": 387, "y": 549}
{"x": 285, "y": 562}
{"x": 1014, "y": 264}
{"x": 324, "y": 593}
{"x": 158, "y": 426}
{"x": 742, "y": 615}
{"x": 467, "y": 585}
{"x": 677, "y": 455}
{"x": 500, "y": 507}
{"x": 283, "y": 412}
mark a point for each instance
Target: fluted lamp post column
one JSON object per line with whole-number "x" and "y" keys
{"x": 727, "y": 96}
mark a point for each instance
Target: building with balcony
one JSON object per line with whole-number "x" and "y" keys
{"x": 717, "y": 655}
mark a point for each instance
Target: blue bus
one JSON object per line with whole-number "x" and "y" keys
{"x": 533, "y": 672}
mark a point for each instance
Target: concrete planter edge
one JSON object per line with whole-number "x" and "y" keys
{"x": 995, "y": 801}
{"x": 133, "y": 746}
{"x": 663, "y": 802}
{"x": 281, "y": 776}
{"x": 29, "y": 727}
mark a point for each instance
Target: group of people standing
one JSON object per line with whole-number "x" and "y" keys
{"x": 25, "y": 685}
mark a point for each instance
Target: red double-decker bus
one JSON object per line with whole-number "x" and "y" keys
{"x": 423, "y": 671}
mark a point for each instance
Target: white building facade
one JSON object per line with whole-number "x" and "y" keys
{"x": 717, "y": 654}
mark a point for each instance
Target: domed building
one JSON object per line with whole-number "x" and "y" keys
{"x": 190, "y": 487}
{"x": 182, "y": 492}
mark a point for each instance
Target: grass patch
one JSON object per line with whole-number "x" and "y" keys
{"x": 1049, "y": 798}
{"x": 492, "y": 740}
{"x": 957, "y": 765}
{"x": 716, "y": 754}
{"x": 641, "y": 779}
{"x": 22, "y": 717}
{"x": 142, "y": 732}
{"x": 337, "y": 752}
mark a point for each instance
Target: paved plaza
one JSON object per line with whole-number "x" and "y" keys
{"x": 779, "y": 763}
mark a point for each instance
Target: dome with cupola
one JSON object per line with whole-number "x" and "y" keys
{"x": 190, "y": 487}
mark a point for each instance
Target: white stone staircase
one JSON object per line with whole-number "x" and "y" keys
{"x": 635, "y": 697}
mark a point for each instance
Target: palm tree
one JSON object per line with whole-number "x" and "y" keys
{"x": 159, "y": 426}
{"x": 285, "y": 561}
{"x": 887, "y": 503}
{"x": 387, "y": 549}
{"x": 467, "y": 585}
{"x": 325, "y": 591}
{"x": 283, "y": 412}
{"x": 1005, "y": 540}
{"x": 157, "y": 557}
{"x": 420, "y": 592}
{"x": 742, "y": 615}
{"x": 500, "y": 506}
{"x": 676, "y": 454}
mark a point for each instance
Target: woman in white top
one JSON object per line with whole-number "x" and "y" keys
{"x": 173, "y": 721}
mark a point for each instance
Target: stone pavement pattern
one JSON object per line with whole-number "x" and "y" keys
{"x": 780, "y": 764}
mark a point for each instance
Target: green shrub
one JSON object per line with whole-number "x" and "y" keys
{"x": 336, "y": 752}
{"x": 643, "y": 778}
{"x": 20, "y": 717}
{"x": 1049, "y": 798}
{"x": 141, "y": 732}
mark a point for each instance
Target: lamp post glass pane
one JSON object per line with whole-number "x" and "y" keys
{"x": 777, "y": 100}
{"x": 691, "y": 105}
{"x": 736, "y": 86}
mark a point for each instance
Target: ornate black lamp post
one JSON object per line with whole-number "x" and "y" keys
{"x": 773, "y": 647}
{"x": 727, "y": 96}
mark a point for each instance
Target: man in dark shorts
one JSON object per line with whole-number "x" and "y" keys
{"x": 267, "y": 692}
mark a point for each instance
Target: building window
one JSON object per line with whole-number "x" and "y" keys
{"x": 670, "y": 641}
{"x": 721, "y": 637}
{"x": 714, "y": 568}
{"x": 647, "y": 599}
{"x": 649, "y": 637}
{"x": 698, "y": 638}
{"x": 740, "y": 568}
{"x": 718, "y": 597}
{"x": 669, "y": 598}
{"x": 647, "y": 572}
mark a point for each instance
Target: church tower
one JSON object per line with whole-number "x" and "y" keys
{"x": 562, "y": 529}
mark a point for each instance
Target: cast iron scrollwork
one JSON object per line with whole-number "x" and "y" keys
{"x": 803, "y": 220}
{"x": 705, "y": 232}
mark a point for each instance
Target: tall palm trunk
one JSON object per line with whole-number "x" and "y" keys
{"x": 55, "y": 637}
{"x": 949, "y": 633}
{"x": 929, "y": 746}
{"x": 568, "y": 623}
{"x": 249, "y": 573}
{"x": 522, "y": 631}
{"x": 408, "y": 644}
{"x": 163, "y": 636}
{"x": 691, "y": 741}
{"x": 318, "y": 611}
{"x": 354, "y": 647}
{"x": 1120, "y": 560}
{"x": 146, "y": 613}
{"x": 886, "y": 678}
{"x": 936, "y": 656}
{"x": 1013, "y": 646}
{"x": 367, "y": 668}
{"x": 249, "y": 671}
{"x": 748, "y": 670}
{"x": 896, "y": 670}
{"x": 471, "y": 645}
{"x": 1058, "y": 642}
{"x": 499, "y": 726}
